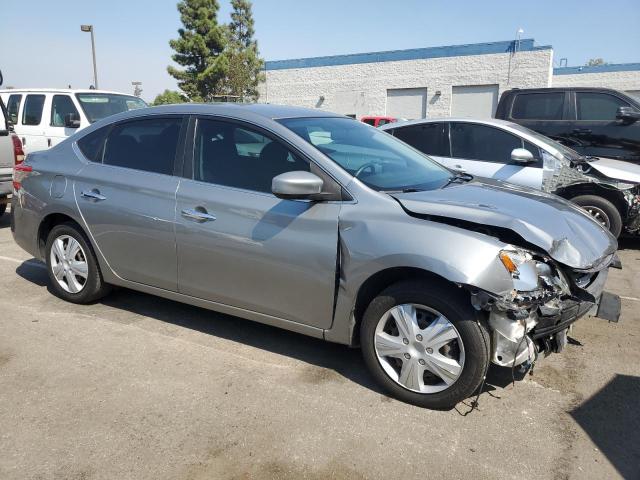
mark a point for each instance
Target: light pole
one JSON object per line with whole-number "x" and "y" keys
{"x": 89, "y": 28}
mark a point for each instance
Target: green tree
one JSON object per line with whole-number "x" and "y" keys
{"x": 168, "y": 97}
{"x": 199, "y": 49}
{"x": 594, "y": 62}
{"x": 244, "y": 65}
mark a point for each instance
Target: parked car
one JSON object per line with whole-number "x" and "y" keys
{"x": 43, "y": 118}
{"x": 10, "y": 153}
{"x": 607, "y": 189}
{"x": 319, "y": 224}
{"x": 378, "y": 121}
{"x": 596, "y": 122}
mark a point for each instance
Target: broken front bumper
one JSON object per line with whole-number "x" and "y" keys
{"x": 518, "y": 336}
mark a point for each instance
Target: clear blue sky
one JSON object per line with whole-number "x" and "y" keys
{"x": 42, "y": 45}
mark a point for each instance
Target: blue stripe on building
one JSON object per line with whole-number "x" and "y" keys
{"x": 614, "y": 67}
{"x": 525, "y": 45}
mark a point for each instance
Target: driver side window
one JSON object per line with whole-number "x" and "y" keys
{"x": 234, "y": 156}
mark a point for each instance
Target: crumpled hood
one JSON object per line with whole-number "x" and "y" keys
{"x": 568, "y": 235}
{"x": 616, "y": 169}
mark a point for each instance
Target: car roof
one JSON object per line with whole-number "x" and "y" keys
{"x": 484, "y": 121}
{"x": 243, "y": 110}
{"x": 60, "y": 90}
{"x": 561, "y": 89}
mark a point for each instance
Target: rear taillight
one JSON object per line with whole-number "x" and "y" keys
{"x": 20, "y": 172}
{"x": 18, "y": 151}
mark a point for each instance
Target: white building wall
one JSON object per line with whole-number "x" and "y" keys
{"x": 625, "y": 81}
{"x": 361, "y": 89}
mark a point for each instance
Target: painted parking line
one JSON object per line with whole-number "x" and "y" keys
{"x": 33, "y": 263}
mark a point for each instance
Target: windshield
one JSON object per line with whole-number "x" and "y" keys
{"x": 97, "y": 106}
{"x": 376, "y": 158}
{"x": 567, "y": 152}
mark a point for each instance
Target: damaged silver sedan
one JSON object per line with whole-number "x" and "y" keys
{"x": 606, "y": 188}
{"x": 322, "y": 225}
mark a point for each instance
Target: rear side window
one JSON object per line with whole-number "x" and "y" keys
{"x": 32, "y": 111}
{"x": 149, "y": 145}
{"x": 480, "y": 142}
{"x": 13, "y": 106}
{"x": 429, "y": 138}
{"x": 597, "y": 106}
{"x": 92, "y": 145}
{"x": 538, "y": 106}
{"x": 61, "y": 106}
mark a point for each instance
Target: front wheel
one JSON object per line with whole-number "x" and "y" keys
{"x": 602, "y": 210}
{"x": 423, "y": 343}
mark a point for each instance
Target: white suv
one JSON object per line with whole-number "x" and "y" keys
{"x": 44, "y": 117}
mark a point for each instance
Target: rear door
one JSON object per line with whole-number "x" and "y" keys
{"x": 544, "y": 112}
{"x": 33, "y": 122}
{"x": 126, "y": 194}
{"x": 485, "y": 151}
{"x": 597, "y": 132}
{"x": 238, "y": 244}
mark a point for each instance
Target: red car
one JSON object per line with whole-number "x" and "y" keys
{"x": 378, "y": 121}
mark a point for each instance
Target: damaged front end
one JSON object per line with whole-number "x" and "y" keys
{"x": 535, "y": 315}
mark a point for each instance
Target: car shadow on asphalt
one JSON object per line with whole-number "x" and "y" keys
{"x": 343, "y": 360}
{"x": 611, "y": 418}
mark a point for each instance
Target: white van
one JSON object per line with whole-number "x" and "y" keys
{"x": 43, "y": 117}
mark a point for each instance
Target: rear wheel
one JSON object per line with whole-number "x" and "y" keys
{"x": 423, "y": 344}
{"x": 602, "y": 210}
{"x": 72, "y": 266}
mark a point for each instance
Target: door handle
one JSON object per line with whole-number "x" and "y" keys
{"x": 93, "y": 195}
{"x": 198, "y": 214}
{"x": 24, "y": 141}
{"x": 48, "y": 142}
{"x": 582, "y": 131}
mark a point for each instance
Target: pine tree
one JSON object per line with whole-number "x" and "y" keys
{"x": 199, "y": 49}
{"x": 244, "y": 65}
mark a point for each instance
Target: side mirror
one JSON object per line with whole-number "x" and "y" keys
{"x": 627, "y": 114}
{"x": 71, "y": 120}
{"x": 522, "y": 156}
{"x": 297, "y": 186}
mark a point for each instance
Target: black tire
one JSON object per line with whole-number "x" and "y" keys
{"x": 94, "y": 287}
{"x": 3, "y": 208}
{"x": 613, "y": 217}
{"x": 456, "y": 306}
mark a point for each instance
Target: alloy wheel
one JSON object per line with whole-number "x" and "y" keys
{"x": 69, "y": 264}
{"x": 419, "y": 348}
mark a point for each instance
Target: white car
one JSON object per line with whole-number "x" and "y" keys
{"x": 43, "y": 118}
{"x": 608, "y": 189}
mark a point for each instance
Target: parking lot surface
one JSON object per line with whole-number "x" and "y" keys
{"x": 140, "y": 387}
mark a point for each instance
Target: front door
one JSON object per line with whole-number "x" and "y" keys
{"x": 128, "y": 200}
{"x": 238, "y": 244}
{"x": 485, "y": 151}
{"x": 61, "y": 106}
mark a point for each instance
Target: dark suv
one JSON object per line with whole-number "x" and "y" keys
{"x": 595, "y": 122}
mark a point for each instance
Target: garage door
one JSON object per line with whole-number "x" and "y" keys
{"x": 476, "y": 101}
{"x": 409, "y": 103}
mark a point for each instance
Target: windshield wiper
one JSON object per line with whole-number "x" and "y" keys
{"x": 404, "y": 190}
{"x": 458, "y": 177}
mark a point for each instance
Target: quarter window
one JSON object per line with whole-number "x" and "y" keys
{"x": 538, "y": 106}
{"x": 13, "y": 106}
{"x": 480, "y": 142}
{"x": 61, "y": 106}
{"x": 92, "y": 145}
{"x": 597, "y": 106}
{"x": 149, "y": 145}
{"x": 32, "y": 111}
{"x": 429, "y": 138}
{"x": 234, "y": 156}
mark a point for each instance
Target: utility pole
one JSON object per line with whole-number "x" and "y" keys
{"x": 90, "y": 29}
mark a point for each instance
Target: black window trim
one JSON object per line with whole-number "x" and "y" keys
{"x": 566, "y": 107}
{"x": 51, "y": 112}
{"x": 180, "y": 146}
{"x": 190, "y": 145}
